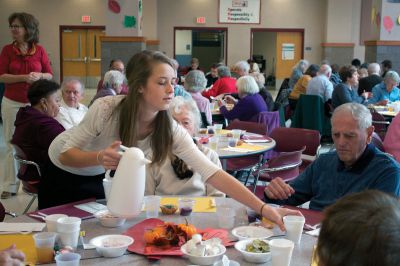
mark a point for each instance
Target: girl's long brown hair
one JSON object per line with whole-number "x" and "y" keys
{"x": 138, "y": 71}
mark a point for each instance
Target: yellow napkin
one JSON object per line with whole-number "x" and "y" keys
{"x": 250, "y": 147}
{"x": 225, "y": 131}
{"x": 314, "y": 258}
{"x": 24, "y": 243}
{"x": 201, "y": 205}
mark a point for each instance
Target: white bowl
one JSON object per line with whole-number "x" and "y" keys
{"x": 109, "y": 220}
{"x": 204, "y": 260}
{"x": 251, "y": 232}
{"x": 251, "y": 256}
{"x": 111, "y": 245}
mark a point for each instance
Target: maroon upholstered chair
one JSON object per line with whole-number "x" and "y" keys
{"x": 29, "y": 186}
{"x": 290, "y": 139}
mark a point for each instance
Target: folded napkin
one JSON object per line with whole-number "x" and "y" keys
{"x": 313, "y": 232}
{"x": 256, "y": 139}
{"x": 21, "y": 227}
{"x": 245, "y": 148}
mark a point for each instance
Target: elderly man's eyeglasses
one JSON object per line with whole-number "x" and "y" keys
{"x": 13, "y": 27}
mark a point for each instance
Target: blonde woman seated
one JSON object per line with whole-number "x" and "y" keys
{"x": 174, "y": 176}
{"x": 195, "y": 83}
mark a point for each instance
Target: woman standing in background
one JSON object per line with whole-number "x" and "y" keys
{"x": 21, "y": 63}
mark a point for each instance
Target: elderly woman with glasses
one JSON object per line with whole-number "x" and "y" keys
{"x": 174, "y": 176}
{"x": 250, "y": 104}
{"x": 21, "y": 63}
{"x": 387, "y": 90}
{"x": 195, "y": 83}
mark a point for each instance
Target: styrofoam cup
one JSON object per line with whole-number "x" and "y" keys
{"x": 281, "y": 251}
{"x": 69, "y": 238}
{"x": 294, "y": 227}
{"x": 51, "y": 221}
{"x": 68, "y": 224}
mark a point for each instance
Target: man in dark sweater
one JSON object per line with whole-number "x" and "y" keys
{"x": 366, "y": 84}
{"x": 355, "y": 166}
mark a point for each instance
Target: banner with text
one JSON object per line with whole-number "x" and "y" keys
{"x": 239, "y": 11}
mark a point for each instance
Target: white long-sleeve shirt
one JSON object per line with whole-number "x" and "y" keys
{"x": 99, "y": 129}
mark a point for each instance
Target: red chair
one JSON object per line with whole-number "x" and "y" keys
{"x": 285, "y": 165}
{"x": 290, "y": 139}
{"x": 380, "y": 123}
{"x": 377, "y": 142}
{"x": 249, "y": 163}
{"x": 29, "y": 183}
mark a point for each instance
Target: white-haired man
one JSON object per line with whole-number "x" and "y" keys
{"x": 320, "y": 85}
{"x": 71, "y": 110}
{"x": 355, "y": 166}
{"x": 366, "y": 84}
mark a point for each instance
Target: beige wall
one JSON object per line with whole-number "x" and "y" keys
{"x": 343, "y": 24}
{"x": 53, "y": 13}
{"x": 307, "y": 14}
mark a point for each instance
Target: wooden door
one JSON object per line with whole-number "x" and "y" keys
{"x": 81, "y": 55}
{"x": 289, "y": 47}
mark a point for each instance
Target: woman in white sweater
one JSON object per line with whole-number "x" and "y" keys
{"x": 139, "y": 119}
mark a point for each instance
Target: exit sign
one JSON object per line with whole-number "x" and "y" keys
{"x": 86, "y": 19}
{"x": 201, "y": 20}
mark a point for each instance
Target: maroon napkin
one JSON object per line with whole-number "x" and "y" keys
{"x": 67, "y": 209}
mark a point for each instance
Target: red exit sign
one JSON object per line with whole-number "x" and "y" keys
{"x": 86, "y": 19}
{"x": 201, "y": 20}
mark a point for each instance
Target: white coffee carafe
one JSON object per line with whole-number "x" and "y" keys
{"x": 127, "y": 189}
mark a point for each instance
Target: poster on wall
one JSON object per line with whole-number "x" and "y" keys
{"x": 239, "y": 11}
{"x": 287, "y": 51}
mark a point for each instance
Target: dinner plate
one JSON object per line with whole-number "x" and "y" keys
{"x": 249, "y": 232}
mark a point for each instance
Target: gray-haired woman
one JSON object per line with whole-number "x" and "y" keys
{"x": 195, "y": 83}
{"x": 112, "y": 85}
{"x": 387, "y": 90}
{"x": 174, "y": 176}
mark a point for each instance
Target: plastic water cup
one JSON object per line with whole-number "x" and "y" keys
{"x": 44, "y": 243}
{"x": 236, "y": 133}
{"x": 68, "y": 259}
{"x": 226, "y": 216}
{"x": 51, "y": 221}
{"x": 232, "y": 142}
{"x": 210, "y": 130}
{"x": 213, "y": 143}
{"x": 152, "y": 205}
{"x": 212, "y": 106}
{"x": 294, "y": 227}
{"x": 281, "y": 251}
{"x": 186, "y": 206}
{"x": 218, "y": 128}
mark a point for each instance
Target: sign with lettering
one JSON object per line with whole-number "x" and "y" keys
{"x": 239, "y": 11}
